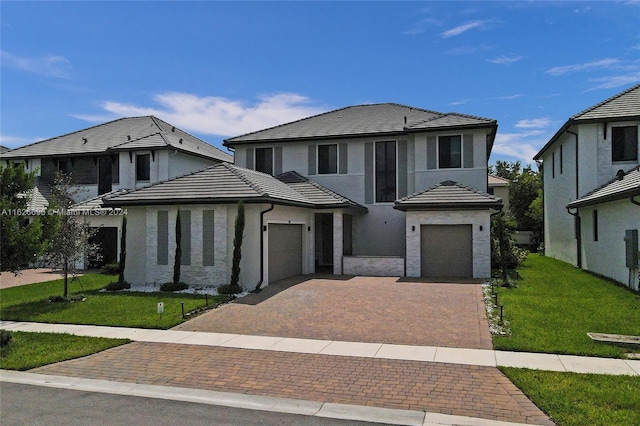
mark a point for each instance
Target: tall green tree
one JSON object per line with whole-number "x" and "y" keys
{"x": 21, "y": 239}
{"x": 237, "y": 250}
{"x": 71, "y": 243}
{"x": 178, "y": 258}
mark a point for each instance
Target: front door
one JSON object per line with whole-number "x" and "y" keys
{"x": 324, "y": 241}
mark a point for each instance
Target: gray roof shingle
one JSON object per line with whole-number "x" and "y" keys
{"x": 227, "y": 183}
{"x": 448, "y": 195}
{"x": 362, "y": 120}
{"x": 628, "y": 185}
{"x": 120, "y": 135}
{"x": 622, "y": 106}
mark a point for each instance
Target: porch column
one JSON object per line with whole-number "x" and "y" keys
{"x": 337, "y": 242}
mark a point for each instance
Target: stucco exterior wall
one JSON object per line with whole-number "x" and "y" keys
{"x": 179, "y": 164}
{"x": 481, "y": 237}
{"x": 607, "y": 255}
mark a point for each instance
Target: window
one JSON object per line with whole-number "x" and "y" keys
{"x": 624, "y": 143}
{"x": 264, "y": 160}
{"x": 385, "y": 163}
{"x": 143, "y": 167}
{"x": 450, "y": 152}
{"x": 327, "y": 159}
{"x": 65, "y": 166}
{"x": 553, "y": 164}
{"x": 595, "y": 225}
{"x": 561, "y": 156}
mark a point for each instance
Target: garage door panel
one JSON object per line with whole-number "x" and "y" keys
{"x": 285, "y": 251}
{"x": 446, "y": 251}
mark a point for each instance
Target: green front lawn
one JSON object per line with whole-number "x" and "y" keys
{"x": 32, "y": 350}
{"x": 555, "y": 305}
{"x": 123, "y": 309}
{"x": 572, "y": 399}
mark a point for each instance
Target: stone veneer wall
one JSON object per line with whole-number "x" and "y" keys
{"x": 376, "y": 266}
{"x": 196, "y": 273}
{"x": 481, "y": 238}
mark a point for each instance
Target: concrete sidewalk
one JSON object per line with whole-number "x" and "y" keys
{"x": 434, "y": 354}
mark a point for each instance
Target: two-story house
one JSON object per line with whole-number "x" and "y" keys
{"x": 381, "y": 189}
{"x": 123, "y": 154}
{"x": 590, "y": 173}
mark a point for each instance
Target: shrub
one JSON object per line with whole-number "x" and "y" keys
{"x": 111, "y": 268}
{"x": 72, "y": 298}
{"x": 5, "y": 338}
{"x": 229, "y": 289}
{"x": 173, "y": 286}
{"x": 117, "y": 286}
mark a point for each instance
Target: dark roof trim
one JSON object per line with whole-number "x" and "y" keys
{"x": 234, "y": 200}
{"x": 633, "y": 192}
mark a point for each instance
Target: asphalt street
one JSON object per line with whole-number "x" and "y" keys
{"x": 35, "y": 405}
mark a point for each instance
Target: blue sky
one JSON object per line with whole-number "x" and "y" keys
{"x": 221, "y": 69}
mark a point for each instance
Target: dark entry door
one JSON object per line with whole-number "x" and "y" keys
{"x": 107, "y": 240}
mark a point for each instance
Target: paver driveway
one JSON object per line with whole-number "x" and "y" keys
{"x": 359, "y": 309}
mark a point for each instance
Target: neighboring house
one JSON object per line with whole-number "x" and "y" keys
{"x": 500, "y": 188}
{"x": 590, "y": 181}
{"x": 4, "y": 149}
{"x": 127, "y": 153}
{"x": 380, "y": 189}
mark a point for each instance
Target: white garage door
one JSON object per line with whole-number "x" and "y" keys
{"x": 446, "y": 251}
{"x": 285, "y": 251}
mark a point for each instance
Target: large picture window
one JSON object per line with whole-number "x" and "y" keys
{"x": 385, "y": 163}
{"x": 327, "y": 159}
{"x": 450, "y": 152}
{"x": 143, "y": 167}
{"x": 264, "y": 160}
{"x": 624, "y": 143}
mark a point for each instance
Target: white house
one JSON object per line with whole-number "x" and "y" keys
{"x": 127, "y": 153}
{"x": 589, "y": 172}
{"x": 381, "y": 189}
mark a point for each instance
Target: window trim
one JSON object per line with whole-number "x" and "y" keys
{"x": 461, "y": 136}
{"x": 337, "y": 158}
{"x": 255, "y": 159}
{"x": 142, "y": 154}
{"x": 375, "y": 172}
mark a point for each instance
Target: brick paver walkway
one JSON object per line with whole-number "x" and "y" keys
{"x": 361, "y": 309}
{"x": 435, "y": 387}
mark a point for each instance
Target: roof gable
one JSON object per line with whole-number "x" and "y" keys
{"x": 448, "y": 195}
{"x": 362, "y": 120}
{"x": 146, "y": 132}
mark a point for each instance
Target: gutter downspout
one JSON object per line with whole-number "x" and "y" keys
{"x": 575, "y": 215}
{"x": 262, "y": 231}
{"x": 578, "y": 237}
{"x": 632, "y": 199}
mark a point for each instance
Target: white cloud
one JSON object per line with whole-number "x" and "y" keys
{"x": 421, "y": 26}
{"x": 463, "y": 28}
{"x": 499, "y": 98}
{"x": 606, "y": 63}
{"x": 214, "y": 115}
{"x": 534, "y": 123}
{"x": 613, "y": 81}
{"x": 14, "y": 141}
{"x": 518, "y": 145}
{"x": 505, "y": 60}
{"x": 48, "y": 65}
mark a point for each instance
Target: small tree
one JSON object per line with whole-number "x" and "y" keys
{"x": 178, "y": 258}
{"x": 237, "y": 251}
{"x": 123, "y": 249}
{"x": 72, "y": 242}
{"x": 20, "y": 238}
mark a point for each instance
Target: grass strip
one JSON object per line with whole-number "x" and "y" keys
{"x": 572, "y": 399}
{"x": 555, "y": 305}
{"x": 121, "y": 309}
{"x": 32, "y": 350}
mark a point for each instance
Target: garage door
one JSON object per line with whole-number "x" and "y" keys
{"x": 285, "y": 251}
{"x": 446, "y": 251}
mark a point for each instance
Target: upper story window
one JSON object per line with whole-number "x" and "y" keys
{"x": 450, "y": 152}
{"x": 143, "y": 167}
{"x": 64, "y": 166}
{"x": 624, "y": 143}
{"x": 264, "y": 160}
{"x": 385, "y": 171}
{"x": 327, "y": 159}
